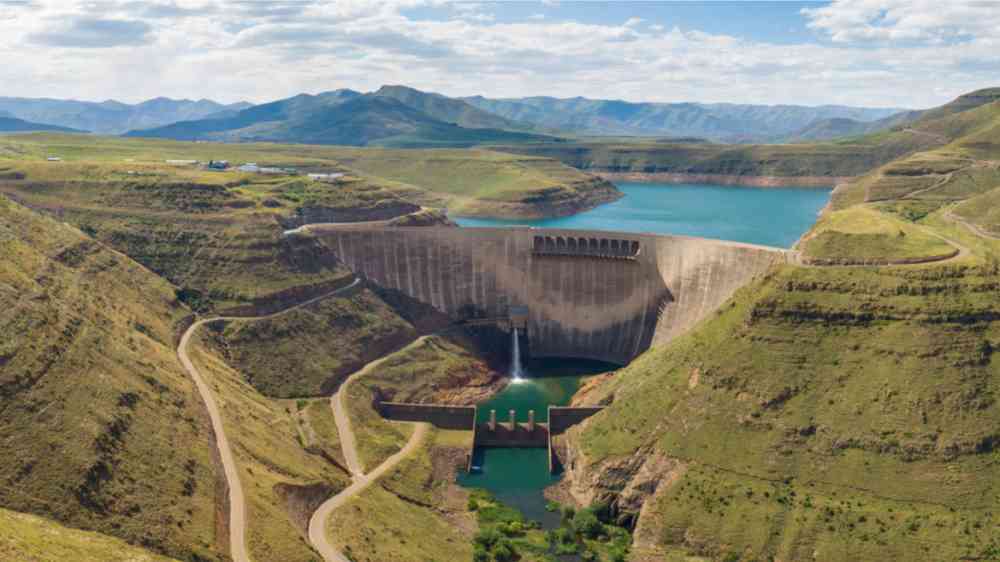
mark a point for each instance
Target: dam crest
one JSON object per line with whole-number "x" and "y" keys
{"x": 584, "y": 294}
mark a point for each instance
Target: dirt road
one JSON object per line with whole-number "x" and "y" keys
{"x": 317, "y": 524}
{"x": 237, "y": 503}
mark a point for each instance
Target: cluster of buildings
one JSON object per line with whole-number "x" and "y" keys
{"x": 253, "y": 168}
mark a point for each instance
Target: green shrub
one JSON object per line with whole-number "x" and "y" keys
{"x": 504, "y": 551}
{"x": 586, "y": 524}
{"x": 487, "y": 538}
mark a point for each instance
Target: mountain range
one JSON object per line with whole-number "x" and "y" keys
{"x": 400, "y": 116}
{"x": 10, "y": 124}
{"x": 392, "y": 116}
{"x": 721, "y": 122}
{"x": 112, "y": 117}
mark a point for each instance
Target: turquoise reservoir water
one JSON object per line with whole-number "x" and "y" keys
{"x": 771, "y": 217}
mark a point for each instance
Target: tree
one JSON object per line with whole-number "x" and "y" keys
{"x": 587, "y": 524}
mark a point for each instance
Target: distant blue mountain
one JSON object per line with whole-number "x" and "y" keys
{"x": 111, "y": 117}
{"x": 12, "y": 124}
{"x": 718, "y": 121}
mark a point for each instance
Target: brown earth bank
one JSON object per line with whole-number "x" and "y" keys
{"x": 380, "y": 210}
{"x": 818, "y": 182}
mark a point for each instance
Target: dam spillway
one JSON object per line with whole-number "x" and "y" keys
{"x": 588, "y": 294}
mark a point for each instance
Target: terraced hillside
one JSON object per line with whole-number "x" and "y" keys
{"x": 833, "y": 411}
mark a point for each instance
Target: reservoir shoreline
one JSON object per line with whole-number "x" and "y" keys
{"x": 778, "y": 182}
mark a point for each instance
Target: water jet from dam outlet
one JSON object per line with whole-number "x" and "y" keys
{"x": 516, "y": 370}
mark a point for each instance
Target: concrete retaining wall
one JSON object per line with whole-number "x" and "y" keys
{"x": 444, "y": 417}
{"x": 578, "y": 306}
{"x": 562, "y": 418}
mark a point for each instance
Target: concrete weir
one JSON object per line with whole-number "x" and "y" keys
{"x": 587, "y": 294}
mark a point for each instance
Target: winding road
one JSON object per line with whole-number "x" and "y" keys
{"x": 317, "y": 524}
{"x": 237, "y": 502}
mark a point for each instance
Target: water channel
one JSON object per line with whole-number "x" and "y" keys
{"x": 772, "y": 217}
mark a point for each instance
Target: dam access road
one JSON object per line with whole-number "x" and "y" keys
{"x": 237, "y": 503}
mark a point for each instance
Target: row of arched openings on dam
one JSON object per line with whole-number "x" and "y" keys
{"x": 577, "y": 246}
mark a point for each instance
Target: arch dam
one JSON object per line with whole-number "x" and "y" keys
{"x": 586, "y": 294}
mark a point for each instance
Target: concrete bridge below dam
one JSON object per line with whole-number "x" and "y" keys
{"x": 585, "y": 294}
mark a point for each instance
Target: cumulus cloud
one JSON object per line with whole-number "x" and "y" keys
{"x": 906, "y": 20}
{"x": 244, "y": 49}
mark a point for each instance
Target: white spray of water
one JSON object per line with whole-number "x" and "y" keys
{"x": 516, "y": 371}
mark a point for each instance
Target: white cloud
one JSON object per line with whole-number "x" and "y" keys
{"x": 231, "y": 50}
{"x": 632, "y": 22}
{"x": 933, "y": 21}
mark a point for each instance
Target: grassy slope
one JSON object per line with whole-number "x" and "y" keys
{"x": 26, "y": 538}
{"x": 438, "y": 369}
{"x": 866, "y": 235}
{"x": 272, "y": 456}
{"x": 99, "y": 427}
{"x": 310, "y": 351}
{"x": 435, "y": 369}
{"x": 831, "y": 413}
{"x": 871, "y": 393}
{"x": 391, "y": 521}
{"x": 317, "y": 421}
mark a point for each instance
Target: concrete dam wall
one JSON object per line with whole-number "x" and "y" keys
{"x": 587, "y": 294}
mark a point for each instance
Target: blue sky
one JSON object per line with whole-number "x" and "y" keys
{"x": 884, "y": 53}
{"x": 776, "y": 21}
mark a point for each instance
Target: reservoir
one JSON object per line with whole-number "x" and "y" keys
{"x": 770, "y": 217}
{"x": 765, "y": 216}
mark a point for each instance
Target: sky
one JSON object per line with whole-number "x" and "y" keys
{"x": 874, "y": 53}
